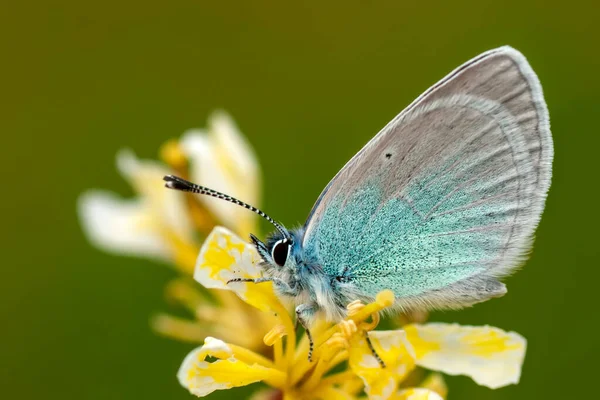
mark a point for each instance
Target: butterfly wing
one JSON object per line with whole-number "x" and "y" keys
{"x": 445, "y": 198}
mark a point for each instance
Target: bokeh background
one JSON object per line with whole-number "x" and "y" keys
{"x": 309, "y": 84}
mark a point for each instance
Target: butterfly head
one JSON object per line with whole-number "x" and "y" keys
{"x": 279, "y": 251}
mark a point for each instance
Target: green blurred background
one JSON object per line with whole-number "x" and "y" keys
{"x": 309, "y": 85}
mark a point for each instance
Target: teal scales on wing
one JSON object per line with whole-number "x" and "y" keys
{"x": 445, "y": 199}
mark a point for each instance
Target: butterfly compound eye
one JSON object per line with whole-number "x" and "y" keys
{"x": 280, "y": 252}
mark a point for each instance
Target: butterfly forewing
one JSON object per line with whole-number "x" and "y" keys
{"x": 447, "y": 196}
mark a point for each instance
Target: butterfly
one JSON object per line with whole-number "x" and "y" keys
{"x": 437, "y": 207}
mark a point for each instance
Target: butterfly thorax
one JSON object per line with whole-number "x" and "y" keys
{"x": 300, "y": 275}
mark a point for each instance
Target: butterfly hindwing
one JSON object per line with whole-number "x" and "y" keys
{"x": 446, "y": 197}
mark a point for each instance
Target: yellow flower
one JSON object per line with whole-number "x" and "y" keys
{"x": 168, "y": 225}
{"x": 344, "y": 365}
{"x": 250, "y": 319}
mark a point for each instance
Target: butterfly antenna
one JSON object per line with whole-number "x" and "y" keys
{"x": 177, "y": 183}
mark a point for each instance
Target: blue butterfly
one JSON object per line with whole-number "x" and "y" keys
{"x": 437, "y": 207}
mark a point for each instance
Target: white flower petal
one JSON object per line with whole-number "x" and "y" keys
{"x": 228, "y": 136}
{"x": 167, "y": 207}
{"x": 148, "y": 225}
{"x": 221, "y": 159}
{"x": 491, "y": 356}
{"x": 120, "y": 226}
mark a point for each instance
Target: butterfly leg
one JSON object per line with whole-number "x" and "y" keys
{"x": 373, "y": 351}
{"x": 304, "y": 312}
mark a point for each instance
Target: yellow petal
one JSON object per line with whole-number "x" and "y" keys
{"x": 491, "y": 356}
{"x": 396, "y": 352}
{"x": 202, "y": 378}
{"x": 223, "y": 257}
{"x": 417, "y": 394}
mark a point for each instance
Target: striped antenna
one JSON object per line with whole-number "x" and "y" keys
{"x": 177, "y": 183}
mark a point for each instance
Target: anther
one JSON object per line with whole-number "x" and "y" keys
{"x": 354, "y": 307}
{"x": 274, "y": 334}
{"x": 347, "y": 328}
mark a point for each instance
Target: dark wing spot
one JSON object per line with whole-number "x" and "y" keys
{"x": 388, "y": 155}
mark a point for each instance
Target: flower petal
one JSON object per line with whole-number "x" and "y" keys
{"x": 223, "y": 257}
{"x": 202, "y": 378}
{"x": 229, "y": 137}
{"x": 491, "y": 356}
{"x": 222, "y": 159}
{"x": 120, "y": 226}
{"x": 417, "y": 394}
{"x": 154, "y": 225}
{"x": 436, "y": 383}
{"x": 166, "y": 207}
{"x": 396, "y": 352}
